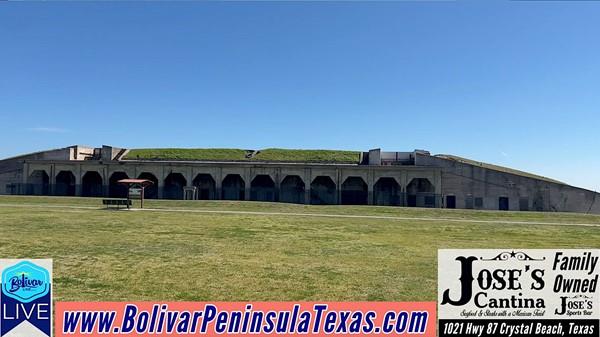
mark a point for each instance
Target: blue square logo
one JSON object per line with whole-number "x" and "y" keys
{"x": 25, "y": 282}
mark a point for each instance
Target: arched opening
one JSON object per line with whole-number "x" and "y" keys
{"x": 116, "y": 190}
{"x": 233, "y": 187}
{"x": 262, "y": 188}
{"x": 420, "y": 193}
{"x": 150, "y": 192}
{"x": 65, "y": 183}
{"x": 292, "y": 190}
{"x": 206, "y": 186}
{"x": 91, "y": 185}
{"x": 322, "y": 191}
{"x": 355, "y": 191}
{"x": 386, "y": 192}
{"x": 39, "y": 183}
{"x": 174, "y": 184}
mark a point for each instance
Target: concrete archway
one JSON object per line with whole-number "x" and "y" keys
{"x": 91, "y": 184}
{"x": 420, "y": 192}
{"x": 38, "y": 183}
{"x": 233, "y": 187}
{"x": 206, "y": 186}
{"x": 150, "y": 192}
{"x": 386, "y": 192}
{"x": 116, "y": 190}
{"x": 355, "y": 191}
{"x": 262, "y": 188}
{"x": 322, "y": 191}
{"x": 65, "y": 183}
{"x": 174, "y": 184}
{"x": 292, "y": 190}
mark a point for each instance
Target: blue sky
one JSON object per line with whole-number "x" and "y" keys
{"x": 515, "y": 84}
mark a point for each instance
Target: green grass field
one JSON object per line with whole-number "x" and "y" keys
{"x": 196, "y": 250}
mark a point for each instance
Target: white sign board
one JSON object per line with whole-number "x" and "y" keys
{"x": 135, "y": 192}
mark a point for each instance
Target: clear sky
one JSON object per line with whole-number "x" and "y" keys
{"x": 515, "y": 84}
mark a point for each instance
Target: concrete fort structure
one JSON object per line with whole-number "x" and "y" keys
{"x": 411, "y": 179}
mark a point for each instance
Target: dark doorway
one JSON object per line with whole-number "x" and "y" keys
{"x": 174, "y": 184}
{"x": 206, "y": 186}
{"x": 292, "y": 190}
{"x": 450, "y": 201}
{"x": 65, "y": 184}
{"x": 91, "y": 185}
{"x": 233, "y": 187}
{"x": 150, "y": 192}
{"x": 322, "y": 191}
{"x": 503, "y": 203}
{"x": 386, "y": 192}
{"x": 39, "y": 183}
{"x": 355, "y": 191}
{"x": 116, "y": 190}
{"x": 420, "y": 193}
{"x": 411, "y": 200}
{"x": 262, "y": 188}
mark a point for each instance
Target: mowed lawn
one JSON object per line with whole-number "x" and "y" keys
{"x": 177, "y": 251}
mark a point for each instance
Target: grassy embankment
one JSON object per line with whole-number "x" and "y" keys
{"x": 271, "y": 155}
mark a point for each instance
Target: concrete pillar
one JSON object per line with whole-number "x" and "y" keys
{"x": 277, "y": 184}
{"x": 403, "y": 183}
{"x": 52, "y": 174}
{"x": 161, "y": 182}
{"x": 370, "y": 186}
{"x": 338, "y": 187}
{"x": 160, "y": 187}
{"x": 77, "y": 186}
{"x": 78, "y": 179}
{"x": 218, "y": 184}
{"x": 159, "y": 191}
{"x": 189, "y": 177}
{"x": 187, "y": 174}
{"x": 247, "y": 183}
{"x": 105, "y": 180}
{"x": 307, "y": 180}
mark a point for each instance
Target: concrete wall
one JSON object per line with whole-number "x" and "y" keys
{"x": 9, "y": 178}
{"x": 378, "y": 157}
{"x": 247, "y": 171}
{"x": 109, "y": 152}
{"x": 467, "y": 182}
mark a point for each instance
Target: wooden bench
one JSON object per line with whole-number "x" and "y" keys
{"x": 116, "y": 202}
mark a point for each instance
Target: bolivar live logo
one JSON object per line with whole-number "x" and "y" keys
{"x": 26, "y": 298}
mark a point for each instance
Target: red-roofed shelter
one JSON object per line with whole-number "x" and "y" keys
{"x": 136, "y": 188}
